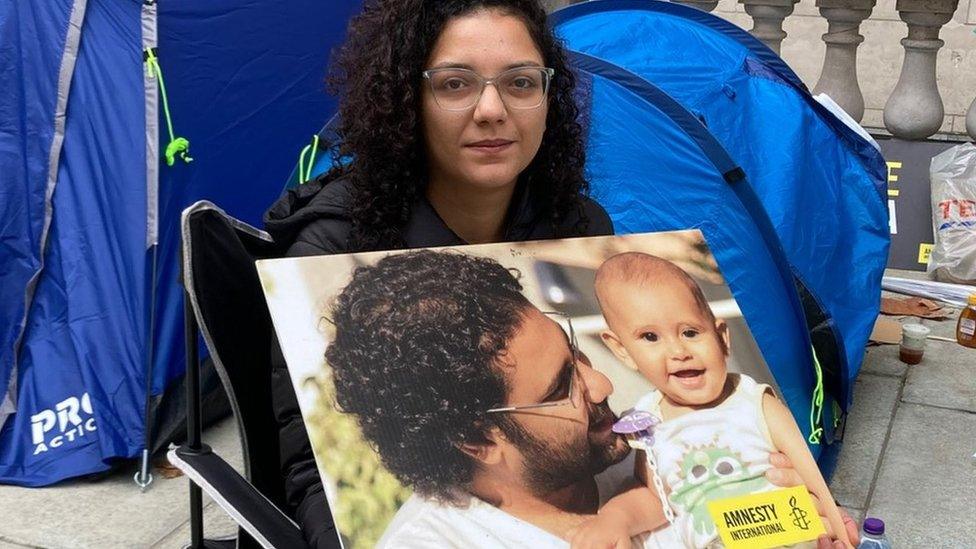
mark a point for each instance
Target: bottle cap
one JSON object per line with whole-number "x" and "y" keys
{"x": 874, "y": 526}
{"x": 972, "y": 299}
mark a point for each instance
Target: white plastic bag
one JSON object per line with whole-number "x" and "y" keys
{"x": 953, "y": 176}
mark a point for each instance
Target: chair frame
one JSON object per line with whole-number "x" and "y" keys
{"x": 256, "y": 515}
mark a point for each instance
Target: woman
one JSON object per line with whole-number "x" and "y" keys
{"x": 460, "y": 124}
{"x": 440, "y": 157}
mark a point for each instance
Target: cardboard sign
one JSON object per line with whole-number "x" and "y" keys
{"x": 769, "y": 519}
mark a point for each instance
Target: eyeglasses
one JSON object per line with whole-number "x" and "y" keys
{"x": 574, "y": 391}
{"x": 460, "y": 89}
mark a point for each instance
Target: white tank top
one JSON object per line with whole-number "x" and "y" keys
{"x": 711, "y": 454}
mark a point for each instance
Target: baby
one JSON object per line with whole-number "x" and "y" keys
{"x": 717, "y": 429}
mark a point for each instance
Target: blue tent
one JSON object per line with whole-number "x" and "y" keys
{"x": 693, "y": 123}
{"x": 794, "y": 206}
{"x": 90, "y": 303}
{"x": 813, "y": 188}
{"x": 821, "y": 184}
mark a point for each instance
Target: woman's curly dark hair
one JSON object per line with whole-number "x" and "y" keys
{"x": 377, "y": 76}
{"x": 415, "y": 360}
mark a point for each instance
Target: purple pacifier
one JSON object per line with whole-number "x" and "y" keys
{"x": 639, "y": 424}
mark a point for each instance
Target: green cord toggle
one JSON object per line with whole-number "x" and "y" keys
{"x": 177, "y": 146}
{"x": 816, "y": 407}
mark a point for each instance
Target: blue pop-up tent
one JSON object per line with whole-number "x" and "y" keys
{"x": 695, "y": 123}
{"x": 821, "y": 184}
{"x": 90, "y": 303}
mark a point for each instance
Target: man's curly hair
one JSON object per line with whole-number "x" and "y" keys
{"x": 415, "y": 360}
{"x": 377, "y": 76}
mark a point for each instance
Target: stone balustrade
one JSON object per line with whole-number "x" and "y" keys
{"x": 915, "y": 109}
{"x": 838, "y": 78}
{"x": 914, "y": 88}
{"x": 768, "y": 17}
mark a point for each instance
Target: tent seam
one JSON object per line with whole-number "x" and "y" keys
{"x": 65, "y": 76}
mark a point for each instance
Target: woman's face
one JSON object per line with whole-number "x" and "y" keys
{"x": 486, "y": 146}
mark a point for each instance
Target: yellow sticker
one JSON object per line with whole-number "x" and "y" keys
{"x": 924, "y": 252}
{"x": 768, "y": 519}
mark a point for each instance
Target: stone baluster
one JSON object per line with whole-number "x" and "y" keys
{"x": 767, "y": 19}
{"x": 971, "y": 120}
{"x": 914, "y": 110}
{"x": 704, "y": 5}
{"x": 838, "y": 78}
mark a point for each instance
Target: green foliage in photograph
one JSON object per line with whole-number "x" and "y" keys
{"x": 368, "y": 495}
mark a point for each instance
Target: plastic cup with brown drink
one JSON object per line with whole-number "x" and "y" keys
{"x": 912, "y": 343}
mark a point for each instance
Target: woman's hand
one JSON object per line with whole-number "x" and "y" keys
{"x": 783, "y": 475}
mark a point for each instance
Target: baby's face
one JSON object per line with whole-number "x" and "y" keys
{"x": 670, "y": 340}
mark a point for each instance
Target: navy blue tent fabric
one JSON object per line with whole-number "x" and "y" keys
{"x": 822, "y": 185}
{"x": 32, "y": 40}
{"x": 245, "y": 85}
{"x": 80, "y": 382}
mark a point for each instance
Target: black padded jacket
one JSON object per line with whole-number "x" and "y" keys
{"x": 313, "y": 219}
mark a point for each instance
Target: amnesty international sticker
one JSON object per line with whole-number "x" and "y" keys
{"x": 769, "y": 519}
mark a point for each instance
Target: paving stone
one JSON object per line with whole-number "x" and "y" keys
{"x": 945, "y": 378}
{"x": 925, "y": 491}
{"x": 216, "y": 525}
{"x": 942, "y": 328}
{"x": 4, "y": 544}
{"x": 110, "y": 512}
{"x": 883, "y": 360}
{"x": 875, "y": 400}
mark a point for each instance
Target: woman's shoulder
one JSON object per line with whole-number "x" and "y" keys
{"x": 313, "y": 218}
{"x": 585, "y": 218}
{"x": 598, "y": 220}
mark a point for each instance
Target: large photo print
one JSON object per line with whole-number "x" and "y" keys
{"x": 589, "y": 392}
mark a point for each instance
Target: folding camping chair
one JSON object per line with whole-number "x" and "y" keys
{"x": 224, "y": 303}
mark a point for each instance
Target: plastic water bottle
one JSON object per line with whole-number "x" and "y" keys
{"x": 872, "y": 536}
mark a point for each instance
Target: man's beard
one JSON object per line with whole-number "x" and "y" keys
{"x": 550, "y": 466}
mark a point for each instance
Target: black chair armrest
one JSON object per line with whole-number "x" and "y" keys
{"x": 238, "y": 498}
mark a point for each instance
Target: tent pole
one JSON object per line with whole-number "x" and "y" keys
{"x": 193, "y": 423}
{"x": 144, "y": 477}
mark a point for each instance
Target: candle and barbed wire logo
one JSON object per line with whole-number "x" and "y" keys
{"x": 799, "y": 515}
